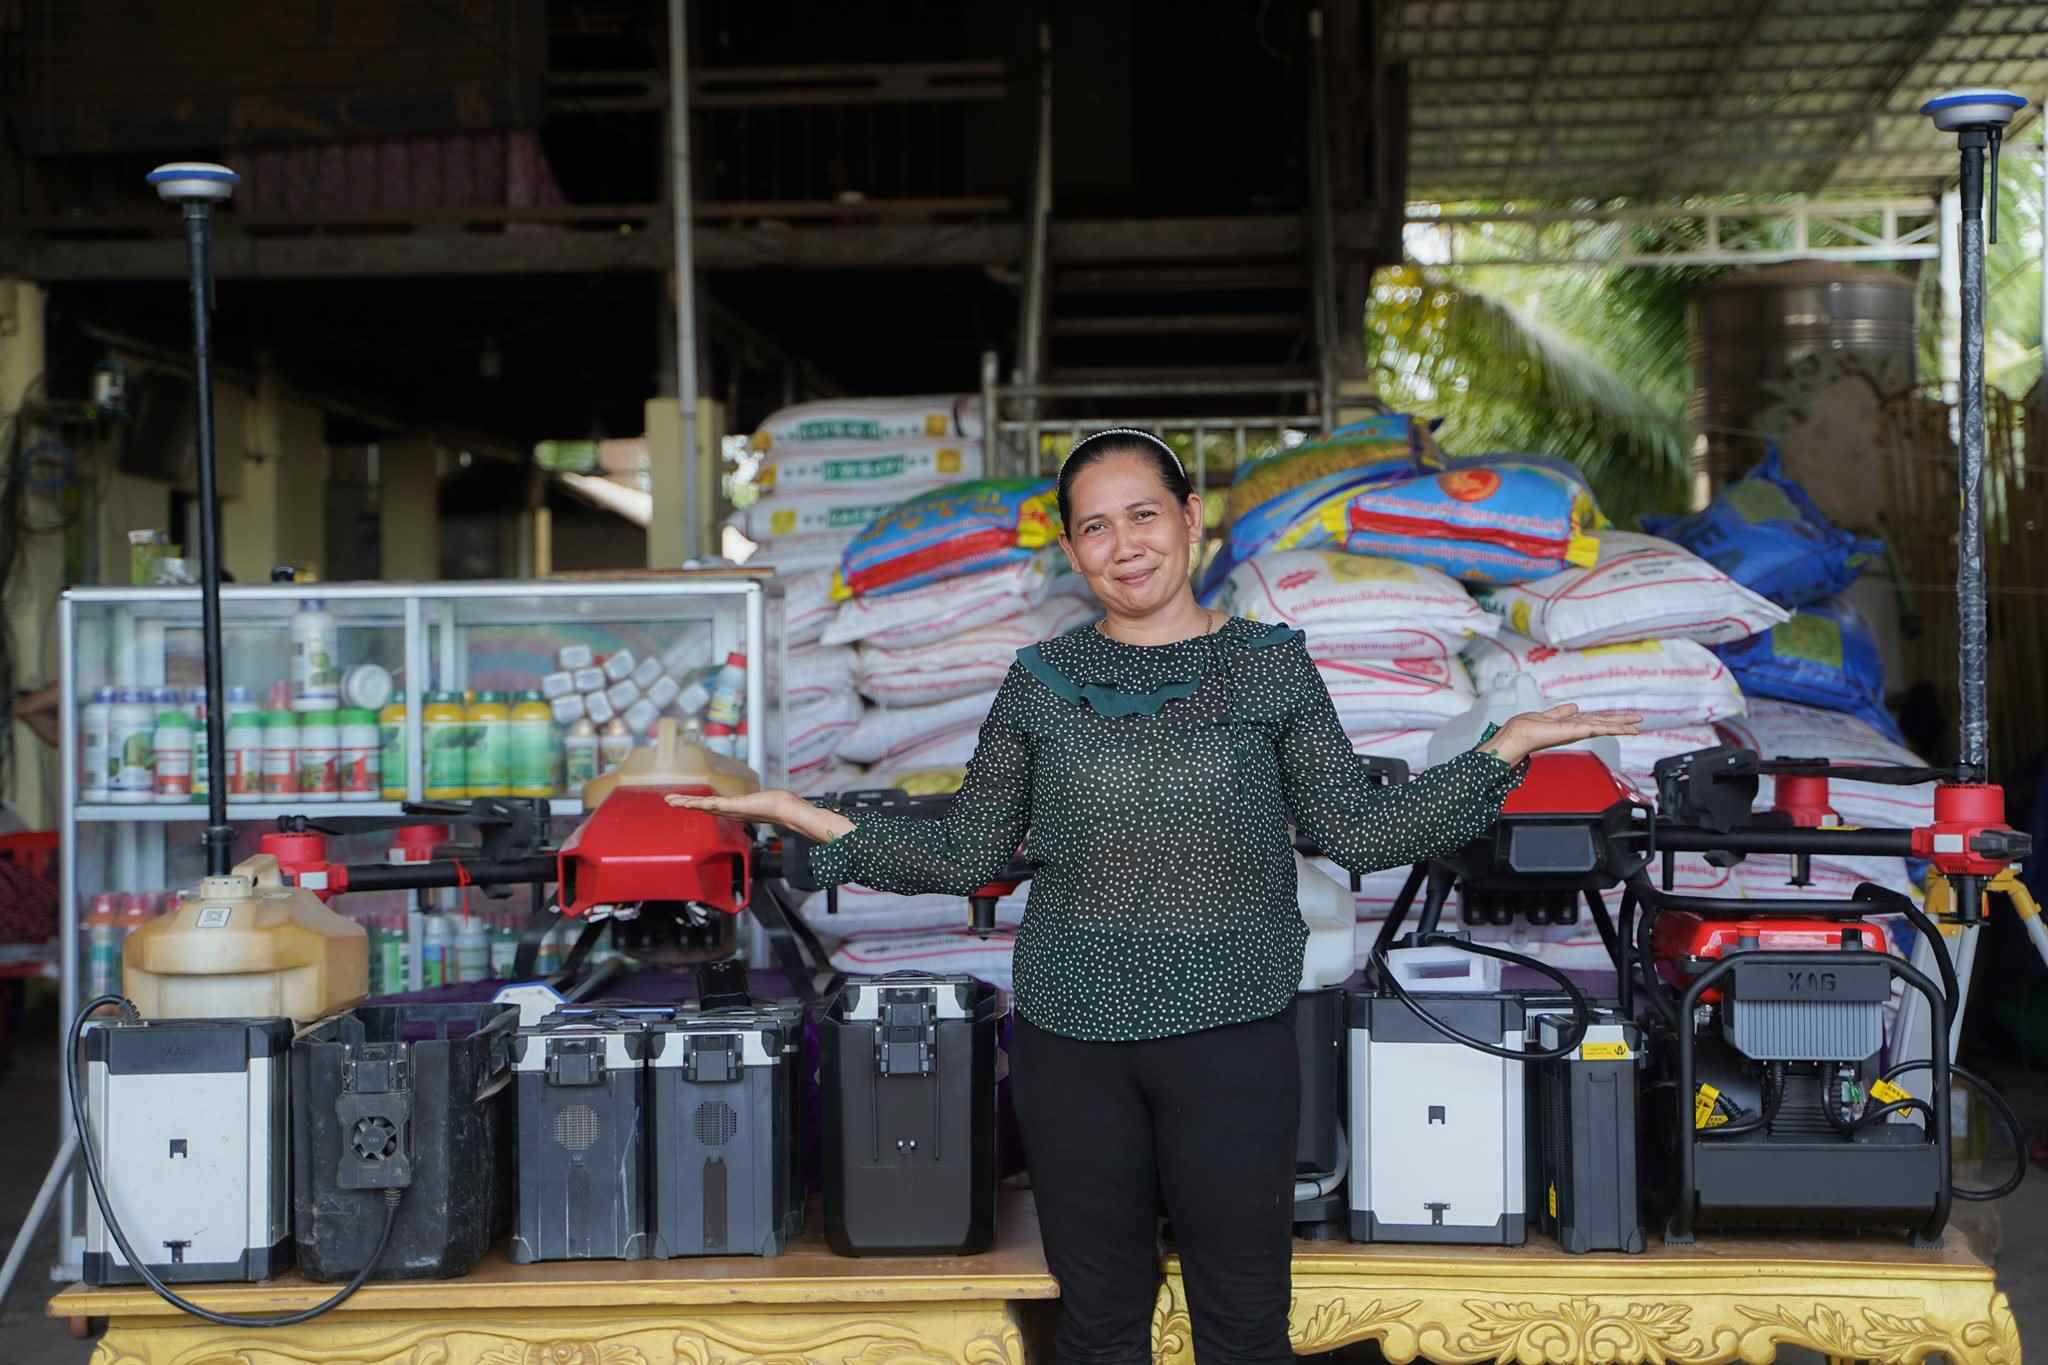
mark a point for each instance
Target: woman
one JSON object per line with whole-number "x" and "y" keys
{"x": 1155, "y": 760}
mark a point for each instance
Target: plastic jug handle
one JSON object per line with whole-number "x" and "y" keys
{"x": 261, "y": 869}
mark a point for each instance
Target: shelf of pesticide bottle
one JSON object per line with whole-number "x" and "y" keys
{"x": 263, "y": 812}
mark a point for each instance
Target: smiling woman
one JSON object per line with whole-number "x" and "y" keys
{"x": 1151, "y": 763}
{"x": 1129, "y": 530}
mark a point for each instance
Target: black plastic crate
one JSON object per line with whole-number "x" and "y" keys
{"x": 412, "y": 1097}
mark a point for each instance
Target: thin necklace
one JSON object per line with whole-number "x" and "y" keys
{"x": 1216, "y": 622}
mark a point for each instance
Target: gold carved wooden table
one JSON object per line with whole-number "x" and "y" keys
{"x": 805, "y": 1305}
{"x": 1723, "y": 1299}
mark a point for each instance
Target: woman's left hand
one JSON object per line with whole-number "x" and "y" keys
{"x": 1534, "y": 730}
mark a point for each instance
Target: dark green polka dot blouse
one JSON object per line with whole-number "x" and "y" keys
{"x": 1152, "y": 787}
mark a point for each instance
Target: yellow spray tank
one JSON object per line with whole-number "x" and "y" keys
{"x": 245, "y": 945}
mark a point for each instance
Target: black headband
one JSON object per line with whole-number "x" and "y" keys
{"x": 1129, "y": 431}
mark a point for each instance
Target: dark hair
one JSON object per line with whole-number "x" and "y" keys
{"x": 1122, "y": 441}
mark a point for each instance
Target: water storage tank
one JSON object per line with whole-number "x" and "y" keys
{"x": 1803, "y": 351}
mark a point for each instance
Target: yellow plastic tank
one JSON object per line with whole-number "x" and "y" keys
{"x": 246, "y": 946}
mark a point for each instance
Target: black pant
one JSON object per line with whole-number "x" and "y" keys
{"x": 1208, "y": 1121}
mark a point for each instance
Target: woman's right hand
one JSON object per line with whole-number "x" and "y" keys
{"x": 773, "y": 806}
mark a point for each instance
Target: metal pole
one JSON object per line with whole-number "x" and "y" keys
{"x": 1322, "y": 229}
{"x": 680, "y": 199}
{"x": 1031, "y": 341}
{"x": 46, "y": 1193}
{"x": 219, "y": 834}
{"x": 998, "y": 459}
{"x": 1970, "y": 610}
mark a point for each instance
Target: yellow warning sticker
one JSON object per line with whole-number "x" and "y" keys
{"x": 934, "y": 424}
{"x": 949, "y": 461}
{"x": 1703, "y": 1112}
{"x": 1884, "y": 1092}
{"x": 1553, "y": 1201}
{"x": 1604, "y": 1052}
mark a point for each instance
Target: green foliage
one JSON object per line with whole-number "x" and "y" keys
{"x": 1590, "y": 364}
{"x": 1584, "y": 364}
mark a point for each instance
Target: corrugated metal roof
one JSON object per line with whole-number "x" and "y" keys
{"x": 1654, "y": 99}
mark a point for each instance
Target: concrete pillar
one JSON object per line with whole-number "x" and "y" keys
{"x": 280, "y": 515}
{"x": 666, "y": 469}
{"x": 33, "y": 784}
{"x": 408, "y": 509}
{"x": 665, "y": 474}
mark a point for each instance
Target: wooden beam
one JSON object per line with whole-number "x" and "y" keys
{"x": 1184, "y": 279}
{"x": 750, "y": 247}
{"x": 1182, "y": 324}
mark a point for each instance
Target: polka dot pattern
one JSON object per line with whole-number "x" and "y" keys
{"x": 1163, "y": 900}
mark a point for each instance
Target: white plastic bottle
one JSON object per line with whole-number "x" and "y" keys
{"x": 171, "y": 748}
{"x": 472, "y": 960}
{"x": 319, "y": 755}
{"x": 280, "y": 754}
{"x": 579, "y": 756}
{"x": 243, "y": 770}
{"x": 729, "y": 692}
{"x": 95, "y": 724}
{"x": 131, "y": 737}
{"x": 316, "y": 666}
{"x": 202, "y": 755}
{"x": 614, "y": 746}
{"x": 361, "y": 746}
{"x": 436, "y": 939}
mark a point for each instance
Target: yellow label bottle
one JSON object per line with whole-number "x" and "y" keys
{"x": 391, "y": 751}
{"x": 535, "y": 752}
{"x": 490, "y": 745}
{"x": 447, "y": 745}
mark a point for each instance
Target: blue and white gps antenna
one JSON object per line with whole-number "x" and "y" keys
{"x": 1978, "y": 118}
{"x": 199, "y": 185}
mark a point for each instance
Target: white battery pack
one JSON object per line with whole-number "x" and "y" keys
{"x": 573, "y": 657}
{"x": 619, "y": 666}
{"x": 557, "y": 685}
{"x": 189, "y": 1125}
{"x": 645, "y": 675}
{"x": 589, "y": 680}
{"x": 622, "y": 695}
{"x": 568, "y": 710}
{"x": 1439, "y": 1142}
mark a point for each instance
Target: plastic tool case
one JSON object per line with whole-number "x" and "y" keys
{"x": 1584, "y": 1183}
{"x": 581, "y": 1079}
{"x": 909, "y": 1079}
{"x": 410, "y": 1097}
{"x": 188, "y": 1122}
{"x": 722, "y": 1129}
{"x": 1438, "y": 1143}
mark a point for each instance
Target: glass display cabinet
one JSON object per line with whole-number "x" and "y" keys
{"x": 346, "y": 700}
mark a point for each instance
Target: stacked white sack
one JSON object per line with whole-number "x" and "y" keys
{"x": 1642, "y": 588}
{"x": 940, "y": 653}
{"x": 829, "y": 468}
{"x": 1357, "y": 606}
{"x": 1670, "y": 683}
{"x": 974, "y": 661}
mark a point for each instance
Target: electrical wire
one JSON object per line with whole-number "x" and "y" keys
{"x": 1999, "y": 1108}
{"x": 1582, "y": 1013}
{"x": 1773, "y": 1096}
{"x": 135, "y": 1262}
